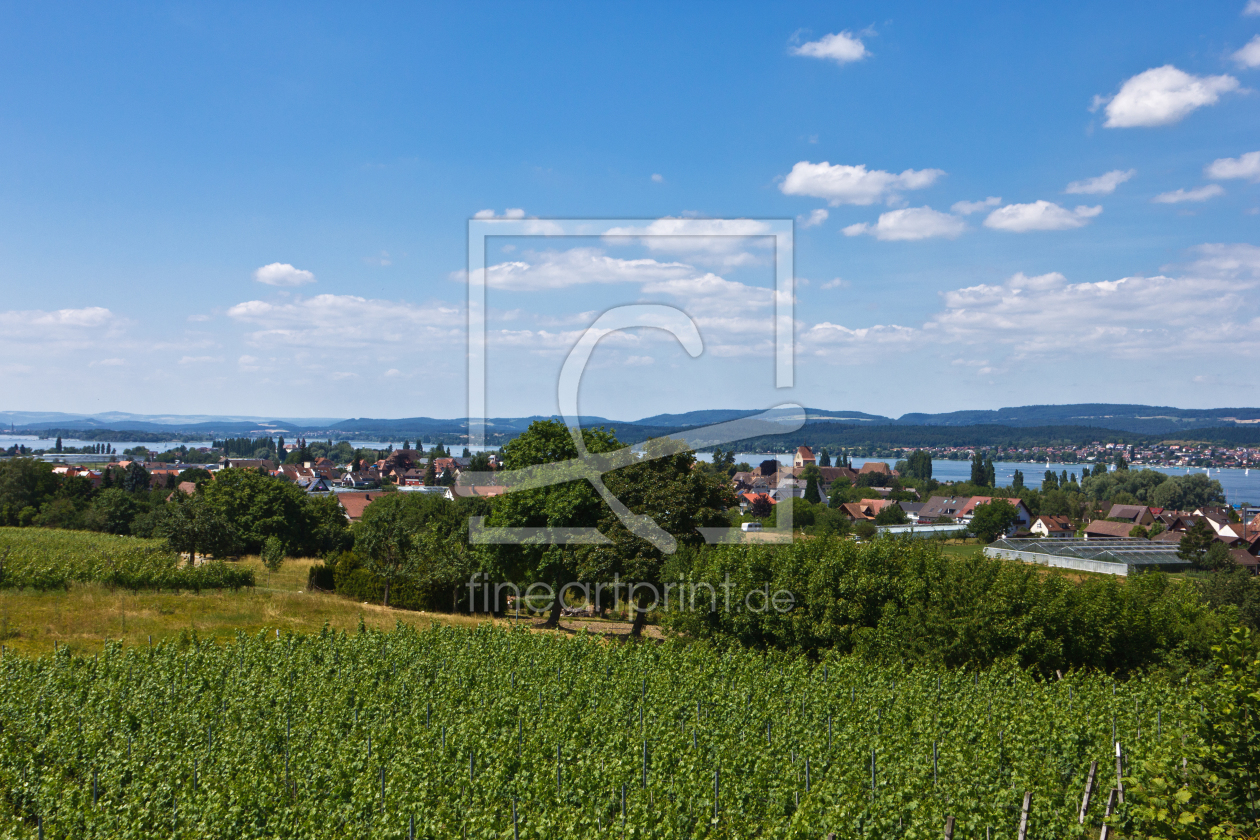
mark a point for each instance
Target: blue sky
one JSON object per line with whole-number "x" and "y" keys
{"x": 155, "y": 160}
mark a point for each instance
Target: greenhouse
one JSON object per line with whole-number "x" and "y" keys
{"x": 1110, "y": 557}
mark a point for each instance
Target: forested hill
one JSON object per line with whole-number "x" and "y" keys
{"x": 836, "y": 436}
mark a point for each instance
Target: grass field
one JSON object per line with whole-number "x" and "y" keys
{"x": 88, "y": 615}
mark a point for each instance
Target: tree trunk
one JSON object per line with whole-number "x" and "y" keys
{"x": 553, "y": 620}
{"x": 640, "y": 617}
{"x": 386, "y": 604}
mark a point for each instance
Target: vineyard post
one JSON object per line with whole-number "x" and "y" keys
{"x": 558, "y": 787}
{"x": 949, "y": 828}
{"x": 411, "y": 827}
{"x": 1111, "y": 806}
{"x": 1119, "y": 773}
{"x": 934, "y": 762}
{"x": 717, "y": 791}
{"x": 807, "y": 774}
{"x": 645, "y": 764}
{"x": 623, "y": 806}
{"x": 872, "y": 772}
{"x": 1023, "y": 815}
{"x": 382, "y": 789}
{"x": 1089, "y": 791}
{"x": 516, "y": 832}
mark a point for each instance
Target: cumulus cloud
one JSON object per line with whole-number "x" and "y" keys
{"x": 842, "y": 184}
{"x": 724, "y": 242}
{"x": 1252, "y": 8}
{"x": 1197, "y": 194}
{"x": 283, "y": 274}
{"x": 60, "y": 329}
{"x": 835, "y": 283}
{"x": 1249, "y": 56}
{"x": 510, "y": 213}
{"x": 840, "y": 47}
{"x": 910, "y": 223}
{"x": 966, "y": 208}
{"x": 1104, "y": 184}
{"x": 814, "y": 219}
{"x": 342, "y": 321}
{"x": 1040, "y": 215}
{"x": 1244, "y": 166}
{"x": 1162, "y": 96}
{"x": 1046, "y": 316}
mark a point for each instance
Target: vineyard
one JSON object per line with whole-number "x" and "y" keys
{"x": 493, "y": 733}
{"x": 45, "y": 558}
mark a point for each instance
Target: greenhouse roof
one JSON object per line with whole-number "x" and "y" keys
{"x": 1135, "y": 552}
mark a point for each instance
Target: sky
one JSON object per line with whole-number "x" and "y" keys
{"x": 263, "y": 209}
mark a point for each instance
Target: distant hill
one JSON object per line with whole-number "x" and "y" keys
{"x": 1146, "y": 419}
{"x": 1138, "y": 419}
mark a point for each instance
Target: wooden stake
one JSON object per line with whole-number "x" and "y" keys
{"x": 1111, "y": 806}
{"x": 1023, "y": 815}
{"x": 949, "y": 828}
{"x": 1119, "y": 773}
{"x": 1089, "y": 791}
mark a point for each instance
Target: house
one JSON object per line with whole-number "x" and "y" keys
{"x": 1053, "y": 527}
{"x": 866, "y": 508}
{"x": 912, "y": 509}
{"x": 1137, "y": 514}
{"x": 1022, "y": 517}
{"x": 804, "y": 457}
{"x": 940, "y": 507}
{"x": 315, "y": 484}
{"x": 355, "y": 503}
{"x": 747, "y": 500}
{"x": 1100, "y": 529}
{"x": 878, "y": 467}
{"x": 188, "y": 488}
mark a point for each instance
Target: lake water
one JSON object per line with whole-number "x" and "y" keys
{"x": 1239, "y": 485}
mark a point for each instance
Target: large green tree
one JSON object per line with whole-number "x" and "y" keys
{"x": 192, "y": 526}
{"x": 25, "y": 484}
{"x": 992, "y": 519}
{"x": 571, "y": 502}
{"x": 664, "y": 486}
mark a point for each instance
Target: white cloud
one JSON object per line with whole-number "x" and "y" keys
{"x": 814, "y": 219}
{"x": 835, "y": 283}
{"x": 197, "y": 360}
{"x": 639, "y": 361}
{"x": 340, "y": 321}
{"x": 382, "y": 259}
{"x": 1253, "y": 8}
{"x": 1162, "y": 96}
{"x": 38, "y": 331}
{"x": 1040, "y": 215}
{"x": 510, "y": 213}
{"x": 1045, "y": 316}
{"x": 966, "y": 208}
{"x": 724, "y": 242}
{"x": 1244, "y": 166}
{"x": 842, "y": 184}
{"x": 578, "y": 267}
{"x": 910, "y": 223}
{"x": 658, "y": 178}
{"x": 283, "y": 274}
{"x": 1197, "y": 194}
{"x": 106, "y": 363}
{"x": 1104, "y": 184}
{"x": 840, "y": 47}
{"x": 1249, "y": 56}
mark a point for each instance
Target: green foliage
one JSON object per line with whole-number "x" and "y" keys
{"x": 194, "y": 527}
{"x": 289, "y": 738}
{"x": 811, "y": 475}
{"x": 272, "y": 554}
{"x": 1195, "y": 542}
{"x": 1152, "y": 487}
{"x": 50, "y": 559}
{"x": 259, "y": 506}
{"x": 992, "y": 519}
{"x": 893, "y": 599}
{"x": 919, "y": 465}
{"x": 25, "y": 483}
{"x": 891, "y": 515}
